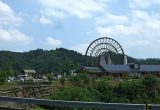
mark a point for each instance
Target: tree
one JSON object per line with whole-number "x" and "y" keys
{"x": 76, "y": 80}
{"x": 72, "y": 94}
{"x": 43, "y": 61}
{"x": 130, "y": 90}
{"x": 10, "y": 72}
{"x": 85, "y": 78}
{"x": 62, "y": 81}
{"x": 50, "y": 77}
{"x": 2, "y": 77}
{"x": 151, "y": 83}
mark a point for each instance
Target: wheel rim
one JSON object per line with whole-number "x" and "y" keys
{"x": 109, "y": 47}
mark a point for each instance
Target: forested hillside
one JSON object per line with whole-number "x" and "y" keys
{"x": 47, "y": 61}
{"x": 43, "y": 61}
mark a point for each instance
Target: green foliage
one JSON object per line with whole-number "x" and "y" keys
{"x": 85, "y": 78}
{"x": 50, "y": 77}
{"x": 107, "y": 78}
{"x": 110, "y": 90}
{"x": 151, "y": 84}
{"x": 9, "y": 85}
{"x": 130, "y": 90}
{"x": 84, "y": 88}
{"x": 62, "y": 81}
{"x": 76, "y": 80}
{"x": 2, "y": 77}
{"x": 72, "y": 94}
{"x": 43, "y": 61}
{"x": 104, "y": 90}
{"x": 80, "y": 80}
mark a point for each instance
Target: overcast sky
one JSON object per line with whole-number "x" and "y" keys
{"x": 73, "y": 24}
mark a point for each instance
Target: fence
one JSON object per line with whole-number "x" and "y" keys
{"x": 78, "y": 104}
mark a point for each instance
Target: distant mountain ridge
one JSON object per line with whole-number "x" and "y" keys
{"x": 47, "y": 61}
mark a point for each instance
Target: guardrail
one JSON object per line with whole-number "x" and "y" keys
{"x": 78, "y": 104}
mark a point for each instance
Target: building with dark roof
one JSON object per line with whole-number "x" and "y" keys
{"x": 91, "y": 70}
{"x": 131, "y": 68}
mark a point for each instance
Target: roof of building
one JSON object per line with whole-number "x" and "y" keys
{"x": 91, "y": 69}
{"x": 29, "y": 71}
{"x": 127, "y": 68}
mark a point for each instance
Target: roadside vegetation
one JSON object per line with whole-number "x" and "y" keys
{"x": 8, "y": 85}
{"x": 109, "y": 90}
{"x": 82, "y": 87}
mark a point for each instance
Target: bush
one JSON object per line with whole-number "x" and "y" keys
{"x": 50, "y": 77}
{"x": 76, "y": 81}
{"x": 72, "y": 94}
{"x": 62, "y": 81}
{"x": 151, "y": 83}
{"x": 2, "y": 77}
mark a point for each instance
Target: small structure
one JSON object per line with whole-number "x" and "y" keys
{"x": 22, "y": 78}
{"x": 29, "y": 72}
{"x": 59, "y": 76}
{"x": 91, "y": 70}
{"x": 73, "y": 72}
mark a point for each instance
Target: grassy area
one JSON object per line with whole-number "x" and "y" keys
{"x": 8, "y": 85}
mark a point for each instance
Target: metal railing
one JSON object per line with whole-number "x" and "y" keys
{"x": 78, "y": 104}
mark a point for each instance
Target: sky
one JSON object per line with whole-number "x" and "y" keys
{"x": 73, "y": 24}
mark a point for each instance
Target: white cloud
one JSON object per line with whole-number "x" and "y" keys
{"x": 112, "y": 19}
{"x": 9, "y": 22}
{"x": 51, "y": 13}
{"x": 141, "y": 24}
{"x": 141, "y": 32}
{"x": 78, "y": 8}
{"x": 80, "y": 48}
{"x": 44, "y": 20}
{"x": 13, "y": 36}
{"x": 139, "y": 43}
{"x": 53, "y": 42}
{"x": 143, "y": 3}
{"x": 7, "y": 16}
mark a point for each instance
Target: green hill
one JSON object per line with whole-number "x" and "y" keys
{"x": 47, "y": 61}
{"x": 43, "y": 61}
